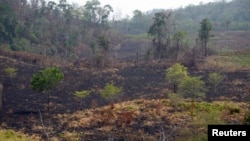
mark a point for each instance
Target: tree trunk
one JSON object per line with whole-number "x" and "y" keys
{"x": 177, "y": 51}
{"x": 1, "y": 96}
{"x": 48, "y": 102}
{"x": 175, "y": 88}
{"x": 205, "y": 46}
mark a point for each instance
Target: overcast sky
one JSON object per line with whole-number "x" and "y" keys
{"x": 125, "y": 7}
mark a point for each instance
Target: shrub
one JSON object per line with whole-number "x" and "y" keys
{"x": 246, "y": 119}
{"x": 11, "y": 72}
{"x": 110, "y": 90}
{"x": 81, "y": 94}
{"x": 192, "y": 87}
{"x": 174, "y": 100}
{"x": 46, "y": 79}
{"x": 214, "y": 79}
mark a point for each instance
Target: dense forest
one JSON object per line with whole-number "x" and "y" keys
{"x": 70, "y": 30}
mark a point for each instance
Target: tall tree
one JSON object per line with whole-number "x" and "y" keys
{"x": 106, "y": 10}
{"x": 178, "y": 38}
{"x": 161, "y": 29}
{"x": 175, "y": 74}
{"x": 7, "y": 23}
{"x": 204, "y": 33}
{"x": 91, "y": 8}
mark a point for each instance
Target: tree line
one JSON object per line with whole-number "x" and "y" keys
{"x": 71, "y": 31}
{"x": 51, "y": 28}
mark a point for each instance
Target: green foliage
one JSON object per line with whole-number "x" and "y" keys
{"x": 188, "y": 86}
{"x": 179, "y": 36}
{"x": 36, "y": 29}
{"x": 81, "y": 94}
{"x": 110, "y": 90}
{"x": 206, "y": 113}
{"x": 174, "y": 99}
{"x": 10, "y": 135}
{"x": 93, "y": 46}
{"x": 215, "y": 78}
{"x": 130, "y": 107}
{"x": 175, "y": 74}
{"x": 246, "y": 119}
{"x": 160, "y": 30}
{"x": 20, "y": 44}
{"x": 103, "y": 43}
{"x": 11, "y": 72}
{"x": 203, "y": 106}
{"x": 47, "y": 79}
{"x": 243, "y": 59}
{"x": 192, "y": 87}
{"x": 7, "y": 23}
{"x": 139, "y": 23}
{"x": 200, "y": 122}
{"x": 178, "y": 39}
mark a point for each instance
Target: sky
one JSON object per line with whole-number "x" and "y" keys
{"x": 126, "y": 7}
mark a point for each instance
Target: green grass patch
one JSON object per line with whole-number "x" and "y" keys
{"x": 229, "y": 62}
{"x": 243, "y": 60}
{"x": 10, "y": 135}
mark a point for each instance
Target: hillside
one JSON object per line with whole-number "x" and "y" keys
{"x": 226, "y": 16}
{"x": 159, "y": 75}
{"x": 145, "y": 106}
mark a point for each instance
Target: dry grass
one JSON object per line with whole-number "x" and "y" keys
{"x": 33, "y": 59}
{"x": 156, "y": 111}
{"x": 124, "y": 119}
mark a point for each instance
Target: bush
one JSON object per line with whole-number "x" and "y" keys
{"x": 246, "y": 120}
{"x": 174, "y": 100}
{"x": 192, "y": 87}
{"x": 81, "y": 94}
{"x": 20, "y": 44}
{"x": 110, "y": 90}
{"x": 46, "y": 79}
{"x": 214, "y": 79}
{"x": 11, "y": 72}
